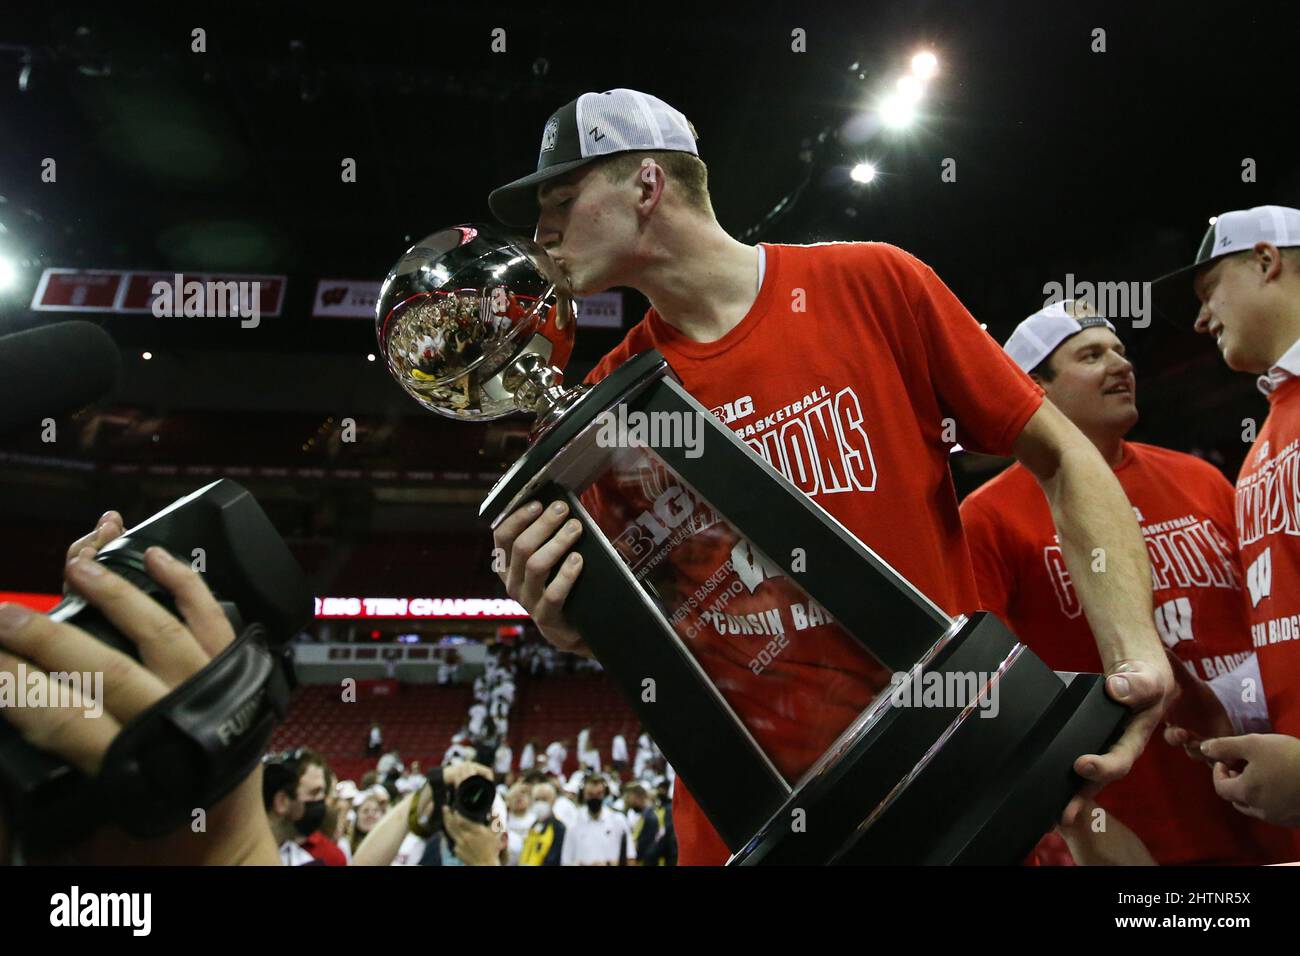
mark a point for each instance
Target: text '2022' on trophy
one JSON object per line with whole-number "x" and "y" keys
{"x": 709, "y": 580}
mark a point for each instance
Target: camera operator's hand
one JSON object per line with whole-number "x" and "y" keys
{"x": 171, "y": 652}
{"x": 534, "y": 543}
{"x": 109, "y": 528}
{"x": 476, "y": 844}
{"x": 458, "y": 773}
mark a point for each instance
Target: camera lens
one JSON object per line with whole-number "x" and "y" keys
{"x": 474, "y": 798}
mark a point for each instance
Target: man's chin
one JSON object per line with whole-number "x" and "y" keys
{"x": 1243, "y": 363}
{"x": 583, "y": 286}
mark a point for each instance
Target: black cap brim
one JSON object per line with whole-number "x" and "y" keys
{"x": 1173, "y": 298}
{"x": 515, "y": 204}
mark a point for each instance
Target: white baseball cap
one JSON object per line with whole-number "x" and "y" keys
{"x": 1041, "y": 334}
{"x": 592, "y": 126}
{"x": 1172, "y": 293}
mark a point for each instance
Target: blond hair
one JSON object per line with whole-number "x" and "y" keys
{"x": 685, "y": 171}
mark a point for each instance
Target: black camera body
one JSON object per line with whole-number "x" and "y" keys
{"x": 472, "y": 799}
{"x": 195, "y": 745}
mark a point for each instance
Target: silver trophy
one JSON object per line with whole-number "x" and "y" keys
{"x": 476, "y": 324}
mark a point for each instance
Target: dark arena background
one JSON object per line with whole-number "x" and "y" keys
{"x": 306, "y": 147}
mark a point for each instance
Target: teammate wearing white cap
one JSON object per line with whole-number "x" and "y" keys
{"x": 1185, "y": 508}
{"x": 845, "y": 366}
{"x": 1243, "y": 288}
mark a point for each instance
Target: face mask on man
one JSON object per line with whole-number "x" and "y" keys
{"x": 313, "y": 815}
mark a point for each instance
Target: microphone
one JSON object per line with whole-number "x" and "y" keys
{"x": 54, "y": 370}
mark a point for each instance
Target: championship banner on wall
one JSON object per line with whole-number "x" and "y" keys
{"x": 416, "y": 608}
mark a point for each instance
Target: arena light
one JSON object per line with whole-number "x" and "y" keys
{"x": 1213, "y": 220}
{"x": 910, "y": 88}
{"x": 862, "y": 173}
{"x": 896, "y": 111}
{"x": 925, "y": 64}
{"x": 8, "y": 273}
{"x": 146, "y": 356}
{"x": 370, "y": 356}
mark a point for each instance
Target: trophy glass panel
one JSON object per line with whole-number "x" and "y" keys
{"x": 794, "y": 677}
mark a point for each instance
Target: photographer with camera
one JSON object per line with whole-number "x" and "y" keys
{"x": 453, "y": 821}
{"x": 71, "y": 726}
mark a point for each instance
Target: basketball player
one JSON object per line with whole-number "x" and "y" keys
{"x": 844, "y": 365}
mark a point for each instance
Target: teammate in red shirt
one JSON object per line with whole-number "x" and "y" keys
{"x": 1244, "y": 289}
{"x": 848, "y": 366}
{"x": 1185, "y": 508}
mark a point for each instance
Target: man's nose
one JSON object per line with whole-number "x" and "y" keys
{"x": 546, "y": 235}
{"x": 1202, "y": 319}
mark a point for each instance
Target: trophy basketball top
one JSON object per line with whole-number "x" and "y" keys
{"x": 475, "y": 323}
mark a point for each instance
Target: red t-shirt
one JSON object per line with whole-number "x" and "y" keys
{"x": 1184, "y": 506}
{"x": 852, "y": 373}
{"x": 324, "y": 849}
{"x": 1268, "y": 527}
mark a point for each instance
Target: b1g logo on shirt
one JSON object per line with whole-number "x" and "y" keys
{"x": 1259, "y": 577}
{"x": 729, "y": 412}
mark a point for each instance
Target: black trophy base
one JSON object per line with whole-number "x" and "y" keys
{"x": 924, "y": 787}
{"x": 917, "y": 784}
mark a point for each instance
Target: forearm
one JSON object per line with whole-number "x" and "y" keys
{"x": 383, "y": 841}
{"x": 1105, "y": 554}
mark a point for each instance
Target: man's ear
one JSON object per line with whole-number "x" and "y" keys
{"x": 652, "y": 183}
{"x": 1269, "y": 259}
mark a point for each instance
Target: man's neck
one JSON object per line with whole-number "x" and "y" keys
{"x": 1111, "y": 447}
{"x": 703, "y": 284}
{"x": 1286, "y": 329}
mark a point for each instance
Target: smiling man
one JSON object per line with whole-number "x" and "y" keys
{"x": 1244, "y": 290}
{"x": 894, "y": 365}
{"x": 1185, "y": 508}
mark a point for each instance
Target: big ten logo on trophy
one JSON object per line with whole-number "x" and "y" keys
{"x": 669, "y": 510}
